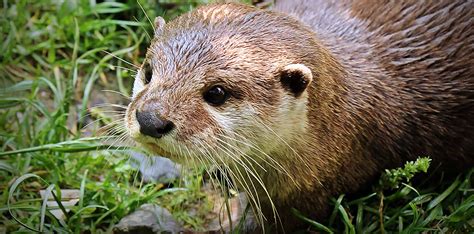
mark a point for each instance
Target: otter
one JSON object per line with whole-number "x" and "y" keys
{"x": 309, "y": 99}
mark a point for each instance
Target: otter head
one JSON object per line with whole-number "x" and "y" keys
{"x": 222, "y": 83}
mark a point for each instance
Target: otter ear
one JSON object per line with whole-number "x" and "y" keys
{"x": 159, "y": 25}
{"x": 296, "y": 78}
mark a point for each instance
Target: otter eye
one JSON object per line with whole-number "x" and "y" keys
{"x": 147, "y": 73}
{"x": 216, "y": 95}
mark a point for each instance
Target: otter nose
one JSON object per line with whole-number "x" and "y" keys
{"x": 151, "y": 124}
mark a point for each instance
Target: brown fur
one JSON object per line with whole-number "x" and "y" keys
{"x": 391, "y": 82}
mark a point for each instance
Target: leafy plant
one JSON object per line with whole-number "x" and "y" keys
{"x": 394, "y": 177}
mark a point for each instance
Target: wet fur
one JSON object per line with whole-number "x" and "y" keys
{"x": 391, "y": 82}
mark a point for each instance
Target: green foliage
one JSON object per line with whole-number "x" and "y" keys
{"x": 445, "y": 205}
{"x": 394, "y": 177}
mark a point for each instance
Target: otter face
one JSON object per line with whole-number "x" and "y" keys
{"x": 210, "y": 95}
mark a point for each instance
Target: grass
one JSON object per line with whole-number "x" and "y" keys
{"x": 443, "y": 205}
{"x": 58, "y": 57}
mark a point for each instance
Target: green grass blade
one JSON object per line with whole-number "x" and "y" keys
{"x": 44, "y": 205}
{"x": 315, "y": 224}
{"x": 335, "y": 210}
{"x": 443, "y": 195}
{"x": 11, "y": 192}
{"x": 347, "y": 222}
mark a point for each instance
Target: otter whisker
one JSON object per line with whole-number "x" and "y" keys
{"x": 114, "y": 115}
{"x": 144, "y": 29}
{"x": 194, "y": 156}
{"x": 124, "y": 68}
{"x": 286, "y": 143}
{"x": 188, "y": 156}
{"x": 242, "y": 154}
{"x": 107, "y": 111}
{"x": 112, "y": 129}
{"x": 146, "y": 15}
{"x": 250, "y": 174}
{"x": 220, "y": 167}
{"x": 115, "y": 125}
{"x": 121, "y": 59}
{"x": 254, "y": 174}
{"x": 268, "y": 159}
{"x": 219, "y": 179}
{"x": 212, "y": 159}
{"x": 273, "y": 163}
{"x": 120, "y": 138}
{"x": 298, "y": 156}
{"x": 110, "y": 105}
{"x": 113, "y": 133}
{"x": 237, "y": 178}
{"x": 119, "y": 93}
{"x": 120, "y": 116}
{"x": 110, "y": 116}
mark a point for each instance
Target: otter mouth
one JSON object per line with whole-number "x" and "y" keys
{"x": 158, "y": 150}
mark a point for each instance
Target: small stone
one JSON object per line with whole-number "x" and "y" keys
{"x": 149, "y": 218}
{"x": 156, "y": 168}
{"x": 69, "y": 198}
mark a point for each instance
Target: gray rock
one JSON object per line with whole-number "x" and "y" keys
{"x": 149, "y": 218}
{"x": 155, "y": 168}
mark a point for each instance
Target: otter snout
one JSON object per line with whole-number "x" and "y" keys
{"x": 152, "y": 124}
